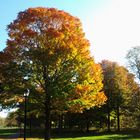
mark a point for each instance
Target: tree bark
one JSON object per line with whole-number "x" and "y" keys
{"x": 108, "y": 118}
{"x": 47, "y": 105}
{"x": 25, "y": 117}
{"x": 60, "y": 125}
{"x": 118, "y": 118}
{"x": 87, "y": 126}
{"x": 47, "y": 119}
{"x": 30, "y": 126}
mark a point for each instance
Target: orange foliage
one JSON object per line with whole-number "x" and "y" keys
{"x": 53, "y": 39}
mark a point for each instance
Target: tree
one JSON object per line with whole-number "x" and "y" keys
{"x": 117, "y": 87}
{"x": 133, "y": 60}
{"x": 2, "y": 122}
{"x": 12, "y": 86}
{"x": 50, "y": 54}
{"x": 130, "y": 107}
{"x": 12, "y": 119}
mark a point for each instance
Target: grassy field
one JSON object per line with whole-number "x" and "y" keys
{"x": 8, "y": 133}
{"x": 102, "y": 137}
{"x": 113, "y": 136}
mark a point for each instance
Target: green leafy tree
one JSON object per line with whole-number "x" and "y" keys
{"x": 131, "y": 106}
{"x": 48, "y": 52}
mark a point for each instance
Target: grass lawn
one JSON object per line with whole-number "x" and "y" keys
{"x": 103, "y": 137}
{"x": 6, "y": 133}
{"x": 100, "y": 137}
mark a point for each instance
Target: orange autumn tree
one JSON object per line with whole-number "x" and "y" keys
{"x": 50, "y": 49}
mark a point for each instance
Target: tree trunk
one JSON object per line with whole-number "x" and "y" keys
{"x": 108, "y": 118}
{"x": 60, "y": 125}
{"x": 87, "y": 127}
{"x": 25, "y": 117}
{"x": 20, "y": 130}
{"x": 30, "y": 126}
{"x": 118, "y": 118}
{"x": 47, "y": 105}
{"x": 100, "y": 123}
{"x": 47, "y": 119}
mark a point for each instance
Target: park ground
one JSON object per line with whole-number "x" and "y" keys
{"x": 7, "y": 134}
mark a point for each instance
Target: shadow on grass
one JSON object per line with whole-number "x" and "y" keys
{"x": 38, "y": 133}
{"x": 125, "y": 135}
{"x": 8, "y": 133}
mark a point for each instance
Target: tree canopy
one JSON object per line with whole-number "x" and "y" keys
{"x": 119, "y": 85}
{"x": 47, "y": 52}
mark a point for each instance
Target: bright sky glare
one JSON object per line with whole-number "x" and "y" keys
{"x": 3, "y": 113}
{"x": 112, "y": 26}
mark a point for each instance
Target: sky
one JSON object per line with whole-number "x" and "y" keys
{"x": 112, "y": 26}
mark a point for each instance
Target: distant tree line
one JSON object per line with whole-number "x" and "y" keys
{"x": 121, "y": 111}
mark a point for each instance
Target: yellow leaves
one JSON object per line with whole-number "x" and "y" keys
{"x": 82, "y": 89}
{"x": 20, "y": 99}
{"x": 100, "y": 99}
{"x": 92, "y": 100}
{"x": 88, "y": 101}
{"x": 39, "y": 89}
{"x": 87, "y": 94}
{"x": 84, "y": 97}
{"x": 51, "y": 53}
